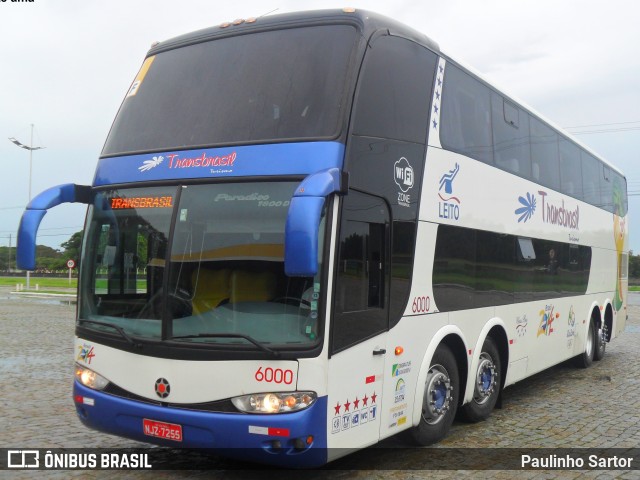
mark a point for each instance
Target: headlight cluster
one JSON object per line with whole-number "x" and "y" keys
{"x": 90, "y": 379}
{"x": 274, "y": 402}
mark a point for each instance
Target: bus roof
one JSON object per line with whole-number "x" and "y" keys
{"x": 367, "y": 22}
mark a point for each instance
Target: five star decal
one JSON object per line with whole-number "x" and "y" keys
{"x": 352, "y": 413}
{"x": 346, "y": 406}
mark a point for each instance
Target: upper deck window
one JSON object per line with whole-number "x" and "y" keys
{"x": 260, "y": 87}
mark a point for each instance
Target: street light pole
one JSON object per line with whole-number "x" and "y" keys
{"x": 31, "y": 148}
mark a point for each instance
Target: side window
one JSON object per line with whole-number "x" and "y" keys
{"x": 394, "y": 91}
{"x": 570, "y": 169}
{"x": 474, "y": 268}
{"x": 619, "y": 194}
{"x": 362, "y": 276}
{"x": 606, "y": 188}
{"x": 510, "y": 137}
{"x": 544, "y": 154}
{"x": 591, "y": 179}
{"x": 466, "y": 116}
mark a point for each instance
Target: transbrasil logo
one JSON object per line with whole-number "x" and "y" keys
{"x": 176, "y": 160}
{"x": 552, "y": 212}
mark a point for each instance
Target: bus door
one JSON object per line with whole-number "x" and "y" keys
{"x": 359, "y": 322}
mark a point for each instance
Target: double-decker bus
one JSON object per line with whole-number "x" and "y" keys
{"x": 309, "y": 232}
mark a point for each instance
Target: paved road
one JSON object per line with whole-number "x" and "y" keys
{"x": 562, "y": 407}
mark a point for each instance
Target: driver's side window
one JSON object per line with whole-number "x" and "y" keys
{"x": 361, "y": 286}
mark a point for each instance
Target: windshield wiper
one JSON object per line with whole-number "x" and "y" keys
{"x": 231, "y": 335}
{"x": 118, "y": 329}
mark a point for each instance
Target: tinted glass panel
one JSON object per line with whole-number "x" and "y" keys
{"x": 401, "y": 266}
{"x": 511, "y": 137}
{"x": 394, "y": 91}
{"x": 606, "y": 188}
{"x": 570, "y": 169}
{"x": 475, "y": 269}
{"x": 466, "y": 115}
{"x": 273, "y": 85}
{"x": 619, "y": 194}
{"x": 590, "y": 179}
{"x": 544, "y": 155}
{"x": 361, "y": 293}
{"x": 494, "y": 268}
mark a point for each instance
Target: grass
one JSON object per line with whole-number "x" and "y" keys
{"x": 42, "y": 282}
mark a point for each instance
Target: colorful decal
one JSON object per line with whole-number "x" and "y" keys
{"x": 401, "y": 368}
{"x": 85, "y": 354}
{"x": 351, "y": 414}
{"x": 399, "y": 395}
{"x": 619, "y": 231}
{"x": 449, "y": 205}
{"x": 571, "y": 331}
{"x": 521, "y": 325}
{"x": 552, "y": 213}
{"x": 403, "y": 176}
{"x": 137, "y": 82}
{"x": 547, "y": 316}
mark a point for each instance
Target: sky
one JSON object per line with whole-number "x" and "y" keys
{"x": 66, "y": 65}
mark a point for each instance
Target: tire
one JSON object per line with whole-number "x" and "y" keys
{"x": 440, "y": 398}
{"x": 585, "y": 359}
{"x": 488, "y": 380}
{"x": 600, "y": 343}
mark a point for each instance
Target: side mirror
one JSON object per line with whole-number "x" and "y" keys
{"x": 303, "y": 219}
{"x": 35, "y": 212}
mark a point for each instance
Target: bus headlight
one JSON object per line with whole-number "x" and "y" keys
{"x": 274, "y": 402}
{"x": 90, "y": 379}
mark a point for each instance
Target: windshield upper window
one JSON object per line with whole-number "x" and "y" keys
{"x": 283, "y": 84}
{"x": 224, "y": 266}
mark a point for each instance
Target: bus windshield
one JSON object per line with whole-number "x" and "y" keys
{"x": 275, "y": 85}
{"x": 215, "y": 277}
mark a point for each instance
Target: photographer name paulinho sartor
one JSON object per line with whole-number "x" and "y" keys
{"x": 568, "y": 461}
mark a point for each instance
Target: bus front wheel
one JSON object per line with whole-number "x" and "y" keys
{"x": 440, "y": 398}
{"x": 487, "y": 383}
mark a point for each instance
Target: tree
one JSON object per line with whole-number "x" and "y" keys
{"x": 634, "y": 265}
{"x": 72, "y": 247}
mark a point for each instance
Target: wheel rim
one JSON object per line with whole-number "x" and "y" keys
{"x": 437, "y": 395}
{"x": 589, "y": 349}
{"x": 602, "y": 336}
{"x": 485, "y": 379}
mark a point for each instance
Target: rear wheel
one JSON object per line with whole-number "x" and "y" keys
{"x": 440, "y": 398}
{"x": 585, "y": 359}
{"x": 487, "y": 384}
{"x": 600, "y": 343}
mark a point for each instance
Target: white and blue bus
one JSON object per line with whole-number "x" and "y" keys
{"x": 309, "y": 232}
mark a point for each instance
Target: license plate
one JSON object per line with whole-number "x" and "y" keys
{"x": 167, "y": 431}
